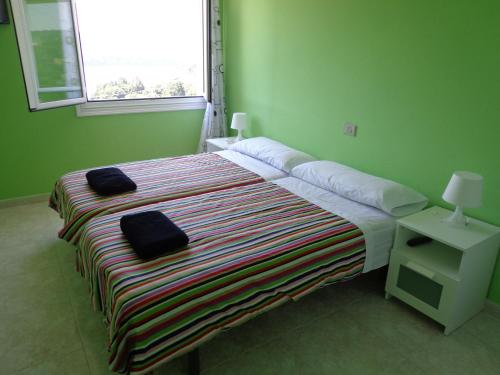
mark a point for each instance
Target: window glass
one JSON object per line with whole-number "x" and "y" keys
{"x": 53, "y": 50}
{"x": 142, "y": 49}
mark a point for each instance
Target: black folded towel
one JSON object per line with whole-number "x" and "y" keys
{"x": 152, "y": 234}
{"x": 110, "y": 181}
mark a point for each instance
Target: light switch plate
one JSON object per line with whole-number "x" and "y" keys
{"x": 350, "y": 129}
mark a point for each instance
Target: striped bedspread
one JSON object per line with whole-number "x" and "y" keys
{"x": 157, "y": 180}
{"x": 251, "y": 249}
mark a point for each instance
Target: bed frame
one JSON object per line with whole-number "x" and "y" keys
{"x": 194, "y": 362}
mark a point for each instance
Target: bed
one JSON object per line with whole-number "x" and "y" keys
{"x": 157, "y": 180}
{"x": 252, "y": 248}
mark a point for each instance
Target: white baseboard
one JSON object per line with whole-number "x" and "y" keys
{"x": 5, "y": 203}
{"x": 492, "y": 306}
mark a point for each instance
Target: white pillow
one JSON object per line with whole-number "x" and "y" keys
{"x": 388, "y": 196}
{"x": 272, "y": 152}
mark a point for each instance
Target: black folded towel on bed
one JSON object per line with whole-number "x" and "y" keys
{"x": 110, "y": 181}
{"x": 151, "y": 234}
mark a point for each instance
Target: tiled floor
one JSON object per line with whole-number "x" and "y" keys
{"x": 48, "y": 326}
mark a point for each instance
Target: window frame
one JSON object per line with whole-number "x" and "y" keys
{"x": 114, "y": 107}
{"x": 84, "y": 107}
{"x": 28, "y": 62}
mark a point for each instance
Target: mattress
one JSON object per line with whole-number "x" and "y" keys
{"x": 251, "y": 249}
{"x": 378, "y": 227}
{"x": 266, "y": 171}
{"x": 157, "y": 180}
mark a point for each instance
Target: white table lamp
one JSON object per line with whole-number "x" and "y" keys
{"x": 465, "y": 189}
{"x": 239, "y": 123}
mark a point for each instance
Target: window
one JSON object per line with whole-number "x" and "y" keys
{"x": 116, "y": 56}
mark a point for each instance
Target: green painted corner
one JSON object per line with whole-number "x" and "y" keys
{"x": 37, "y": 148}
{"x": 421, "y": 80}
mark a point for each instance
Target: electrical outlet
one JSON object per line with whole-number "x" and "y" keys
{"x": 350, "y": 129}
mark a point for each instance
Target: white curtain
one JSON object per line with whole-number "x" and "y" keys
{"x": 214, "y": 122}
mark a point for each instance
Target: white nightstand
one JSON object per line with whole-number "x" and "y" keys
{"x": 446, "y": 279}
{"x": 218, "y": 144}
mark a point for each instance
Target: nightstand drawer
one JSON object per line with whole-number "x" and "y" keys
{"x": 415, "y": 280}
{"x": 425, "y": 289}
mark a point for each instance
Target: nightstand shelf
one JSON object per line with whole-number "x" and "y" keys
{"x": 447, "y": 278}
{"x": 436, "y": 256}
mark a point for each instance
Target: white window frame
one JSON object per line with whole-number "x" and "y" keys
{"x": 84, "y": 107}
{"x": 114, "y": 107}
{"x": 25, "y": 42}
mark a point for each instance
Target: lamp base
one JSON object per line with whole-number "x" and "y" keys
{"x": 457, "y": 218}
{"x": 240, "y": 135}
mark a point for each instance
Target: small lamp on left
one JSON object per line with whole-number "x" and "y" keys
{"x": 239, "y": 123}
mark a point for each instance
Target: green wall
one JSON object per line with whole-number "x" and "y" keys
{"x": 420, "y": 78}
{"x": 36, "y": 148}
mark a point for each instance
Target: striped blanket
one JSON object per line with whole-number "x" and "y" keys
{"x": 251, "y": 249}
{"x": 157, "y": 180}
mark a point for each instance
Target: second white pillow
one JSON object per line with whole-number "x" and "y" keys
{"x": 389, "y": 196}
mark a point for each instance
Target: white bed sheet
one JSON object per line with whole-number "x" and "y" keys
{"x": 378, "y": 227}
{"x": 266, "y": 171}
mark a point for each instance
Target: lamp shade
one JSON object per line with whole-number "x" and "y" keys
{"x": 239, "y": 121}
{"x": 465, "y": 189}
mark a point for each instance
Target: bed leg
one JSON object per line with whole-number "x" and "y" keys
{"x": 194, "y": 362}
